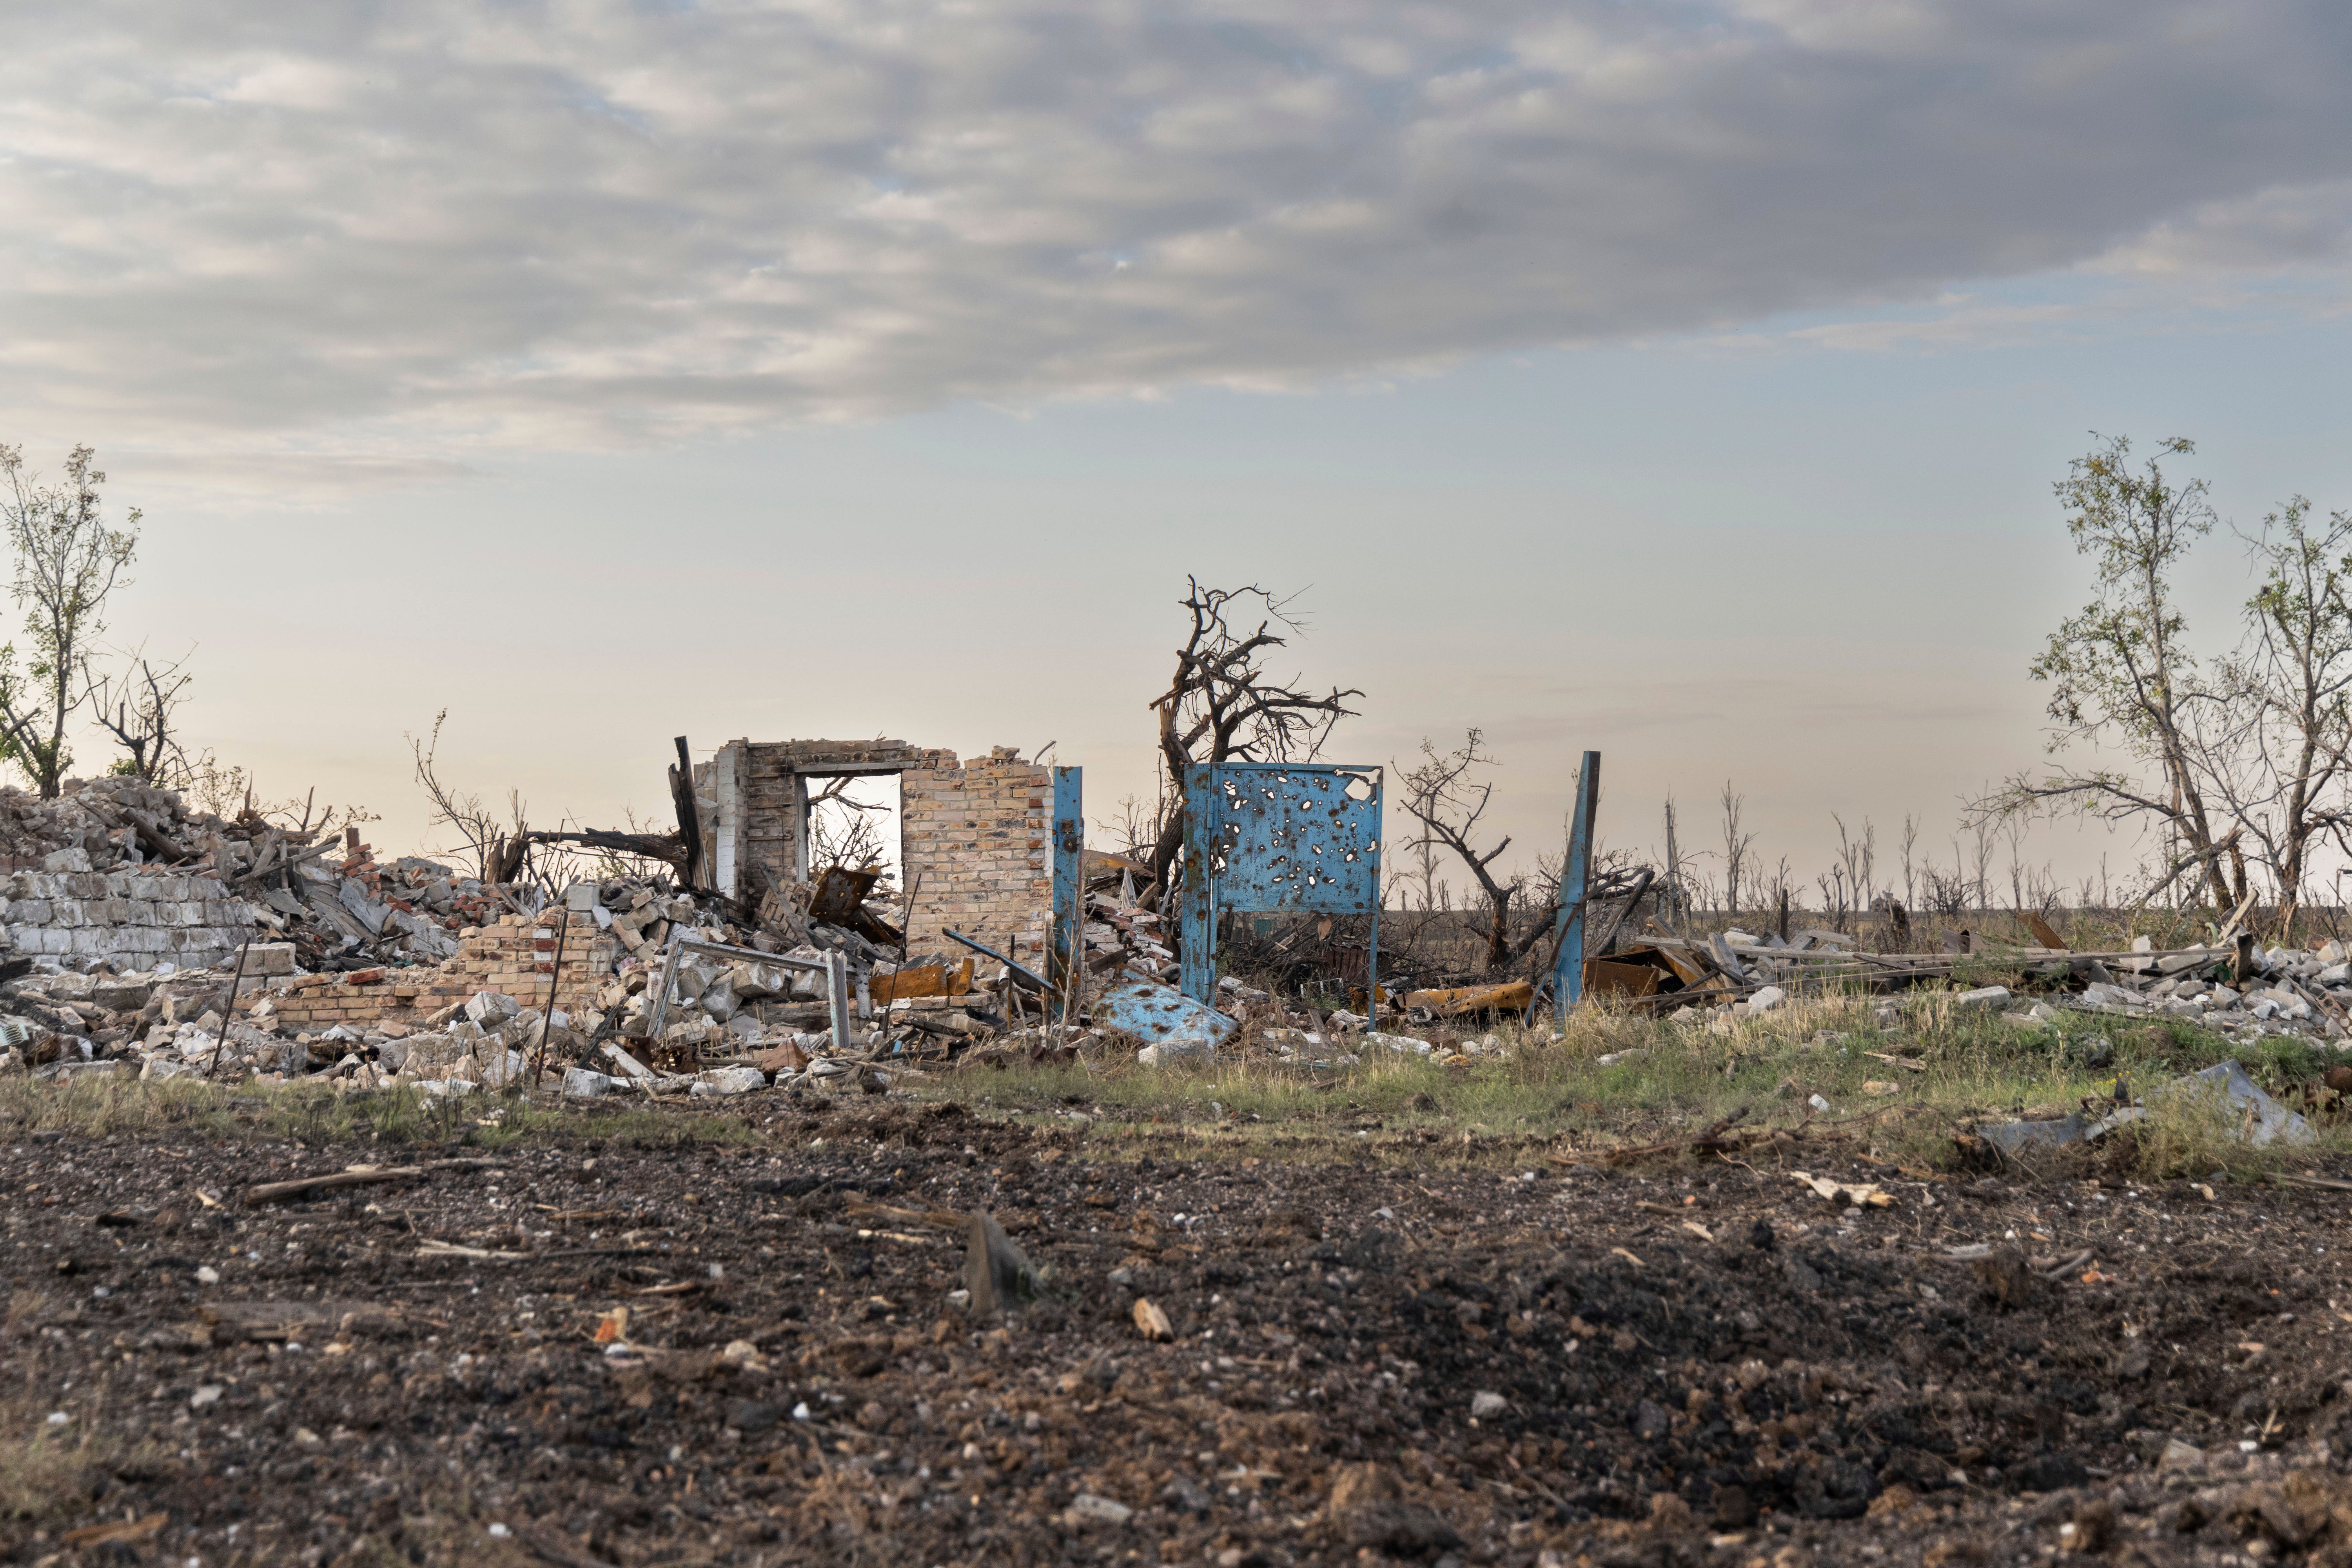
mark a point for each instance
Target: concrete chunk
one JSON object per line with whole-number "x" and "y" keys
{"x": 270, "y": 958}
{"x": 492, "y": 1008}
{"x": 729, "y": 1081}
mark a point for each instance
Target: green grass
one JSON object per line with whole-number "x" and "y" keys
{"x": 1553, "y": 1088}
{"x": 1541, "y": 1089}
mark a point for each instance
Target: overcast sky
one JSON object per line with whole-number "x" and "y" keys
{"x": 1682, "y": 380}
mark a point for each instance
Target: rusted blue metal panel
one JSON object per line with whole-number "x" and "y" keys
{"x": 1294, "y": 837}
{"x": 1064, "y": 944}
{"x": 1575, "y": 879}
{"x": 1276, "y": 837}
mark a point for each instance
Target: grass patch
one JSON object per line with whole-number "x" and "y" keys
{"x": 1661, "y": 1078}
{"x": 313, "y": 1114}
{"x": 1898, "y": 1078}
{"x": 51, "y": 1472}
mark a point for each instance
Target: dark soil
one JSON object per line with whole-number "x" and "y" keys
{"x": 1693, "y": 1363}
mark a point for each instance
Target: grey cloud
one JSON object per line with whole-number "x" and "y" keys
{"x": 605, "y": 222}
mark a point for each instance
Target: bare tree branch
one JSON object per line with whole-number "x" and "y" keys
{"x": 1222, "y": 705}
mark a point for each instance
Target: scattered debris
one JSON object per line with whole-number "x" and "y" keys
{"x": 2258, "y": 1120}
{"x": 1867, "y": 1194}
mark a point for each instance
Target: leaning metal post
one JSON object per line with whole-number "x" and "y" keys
{"x": 1576, "y": 876}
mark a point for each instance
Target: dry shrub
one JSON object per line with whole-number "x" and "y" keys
{"x": 46, "y": 1472}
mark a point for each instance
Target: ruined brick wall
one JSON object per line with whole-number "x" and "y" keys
{"x": 139, "y": 918}
{"x": 516, "y": 956}
{"x": 756, "y": 809}
{"x": 975, "y": 833}
{"x": 977, "y": 838}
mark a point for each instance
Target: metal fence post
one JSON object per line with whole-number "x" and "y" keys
{"x": 1064, "y": 944}
{"x": 1199, "y": 959}
{"x": 1372, "y": 941}
{"x": 836, "y": 985}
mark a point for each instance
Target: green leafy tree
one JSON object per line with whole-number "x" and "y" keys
{"x": 2251, "y": 752}
{"x": 68, "y": 563}
{"x": 2120, "y": 671}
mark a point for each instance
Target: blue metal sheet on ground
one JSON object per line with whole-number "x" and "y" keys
{"x": 1153, "y": 1013}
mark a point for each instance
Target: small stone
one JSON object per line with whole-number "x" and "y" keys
{"x": 1484, "y": 1406}
{"x": 1767, "y": 999}
{"x": 209, "y": 1393}
{"x": 1087, "y": 1508}
{"x": 752, "y": 1416}
{"x": 2180, "y": 1455}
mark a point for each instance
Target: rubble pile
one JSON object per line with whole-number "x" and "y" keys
{"x": 121, "y": 872}
{"x": 127, "y": 913}
{"x": 2247, "y": 994}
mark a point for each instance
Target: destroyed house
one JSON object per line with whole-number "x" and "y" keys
{"x": 972, "y": 835}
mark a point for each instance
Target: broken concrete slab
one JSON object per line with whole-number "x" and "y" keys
{"x": 489, "y": 1009}
{"x": 2263, "y": 1121}
{"x": 729, "y": 1081}
{"x": 2013, "y": 1137}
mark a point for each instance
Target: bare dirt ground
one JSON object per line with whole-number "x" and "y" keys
{"x": 1379, "y": 1354}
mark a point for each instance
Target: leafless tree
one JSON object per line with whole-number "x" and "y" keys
{"x": 1136, "y": 829}
{"x": 1448, "y": 801}
{"x": 138, "y": 705}
{"x": 1223, "y": 705}
{"x": 2281, "y": 759}
{"x": 1675, "y": 890}
{"x": 1858, "y": 859}
{"x": 497, "y": 845}
{"x": 1738, "y": 850}
{"x": 842, "y": 829}
{"x": 68, "y": 563}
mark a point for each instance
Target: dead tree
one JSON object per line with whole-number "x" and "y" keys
{"x": 498, "y": 849}
{"x": 137, "y": 706}
{"x": 1448, "y": 803}
{"x": 1223, "y": 706}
